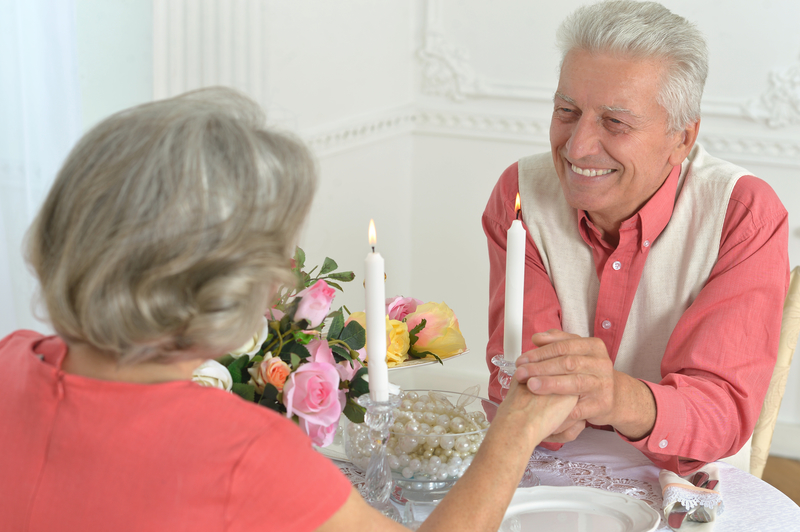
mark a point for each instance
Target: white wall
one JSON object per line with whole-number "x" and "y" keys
{"x": 415, "y": 108}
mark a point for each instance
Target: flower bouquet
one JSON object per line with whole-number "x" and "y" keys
{"x": 297, "y": 367}
{"x": 290, "y": 366}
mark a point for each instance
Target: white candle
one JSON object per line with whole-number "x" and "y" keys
{"x": 375, "y": 309}
{"x": 515, "y": 288}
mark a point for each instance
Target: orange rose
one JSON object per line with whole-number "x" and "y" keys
{"x": 274, "y": 371}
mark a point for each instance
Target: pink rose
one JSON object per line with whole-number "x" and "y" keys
{"x": 321, "y": 435}
{"x": 274, "y": 371}
{"x": 398, "y": 307}
{"x": 312, "y": 393}
{"x": 347, "y": 372}
{"x": 315, "y": 303}
{"x": 320, "y": 352}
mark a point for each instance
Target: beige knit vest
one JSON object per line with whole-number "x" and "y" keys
{"x": 679, "y": 262}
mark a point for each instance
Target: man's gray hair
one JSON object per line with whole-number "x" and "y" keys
{"x": 645, "y": 30}
{"x": 169, "y": 227}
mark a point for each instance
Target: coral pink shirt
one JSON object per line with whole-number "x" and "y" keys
{"x": 83, "y": 454}
{"x": 703, "y": 401}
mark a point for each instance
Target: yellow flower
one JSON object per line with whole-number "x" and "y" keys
{"x": 397, "y": 344}
{"x": 441, "y": 334}
{"x": 396, "y": 338}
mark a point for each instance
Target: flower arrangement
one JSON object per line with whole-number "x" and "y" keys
{"x": 290, "y": 366}
{"x": 416, "y": 330}
{"x": 297, "y": 367}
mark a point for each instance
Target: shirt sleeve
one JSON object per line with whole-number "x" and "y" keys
{"x": 720, "y": 357}
{"x": 542, "y": 309}
{"x": 282, "y": 483}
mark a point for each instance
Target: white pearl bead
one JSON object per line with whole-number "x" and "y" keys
{"x": 412, "y": 395}
{"x": 394, "y": 463}
{"x": 447, "y": 442}
{"x": 407, "y": 473}
{"x": 462, "y": 444}
{"x": 406, "y": 404}
{"x": 415, "y": 464}
{"x": 442, "y": 474}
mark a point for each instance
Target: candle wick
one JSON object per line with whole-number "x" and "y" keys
{"x": 518, "y": 213}
{"x": 373, "y": 249}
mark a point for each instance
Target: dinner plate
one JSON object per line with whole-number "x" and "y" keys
{"x": 417, "y": 362}
{"x": 577, "y": 509}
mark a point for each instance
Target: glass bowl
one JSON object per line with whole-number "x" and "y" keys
{"x": 432, "y": 441}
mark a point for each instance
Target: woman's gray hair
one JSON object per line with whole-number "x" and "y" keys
{"x": 169, "y": 227}
{"x": 645, "y": 30}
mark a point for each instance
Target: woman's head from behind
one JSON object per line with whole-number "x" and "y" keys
{"x": 169, "y": 226}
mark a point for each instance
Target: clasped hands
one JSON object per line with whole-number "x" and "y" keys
{"x": 568, "y": 364}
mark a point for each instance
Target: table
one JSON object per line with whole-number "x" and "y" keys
{"x": 602, "y": 460}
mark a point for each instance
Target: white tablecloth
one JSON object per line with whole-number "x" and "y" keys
{"x": 602, "y": 460}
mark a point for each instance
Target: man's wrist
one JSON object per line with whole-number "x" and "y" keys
{"x": 634, "y": 407}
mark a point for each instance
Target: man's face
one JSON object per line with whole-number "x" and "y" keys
{"x": 609, "y": 135}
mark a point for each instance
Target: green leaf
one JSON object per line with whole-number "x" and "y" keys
{"x": 345, "y": 277}
{"x": 354, "y": 411}
{"x": 343, "y": 352}
{"x": 302, "y": 337}
{"x": 358, "y": 386}
{"x": 270, "y": 398}
{"x": 295, "y": 360}
{"x": 328, "y": 266}
{"x": 238, "y": 369}
{"x": 354, "y": 335}
{"x": 334, "y": 285}
{"x": 245, "y": 391}
{"x": 422, "y": 354}
{"x": 299, "y": 258}
{"x": 225, "y": 360}
{"x": 412, "y": 334}
{"x": 298, "y": 349}
{"x": 337, "y": 325}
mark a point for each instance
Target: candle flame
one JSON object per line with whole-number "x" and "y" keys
{"x": 517, "y": 206}
{"x": 372, "y": 235}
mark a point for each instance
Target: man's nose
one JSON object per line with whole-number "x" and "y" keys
{"x": 584, "y": 139}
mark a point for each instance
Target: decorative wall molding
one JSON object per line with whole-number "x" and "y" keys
{"x": 783, "y": 152}
{"x": 199, "y": 43}
{"x": 382, "y": 125}
{"x": 779, "y": 106}
{"x": 480, "y": 125}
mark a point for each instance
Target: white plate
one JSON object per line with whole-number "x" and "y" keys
{"x": 577, "y": 509}
{"x": 417, "y": 362}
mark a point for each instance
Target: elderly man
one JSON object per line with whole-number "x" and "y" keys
{"x": 657, "y": 271}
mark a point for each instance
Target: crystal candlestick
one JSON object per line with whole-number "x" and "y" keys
{"x": 505, "y": 374}
{"x": 378, "y": 485}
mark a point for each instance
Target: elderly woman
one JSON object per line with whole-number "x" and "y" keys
{"x": 160, "y": 246}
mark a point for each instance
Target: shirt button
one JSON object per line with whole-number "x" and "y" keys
{"x": 646, "y": 243}
{"x": 663, "y": 443}
{"x": 617, "y": 265}
{"x": 606, "y": 324}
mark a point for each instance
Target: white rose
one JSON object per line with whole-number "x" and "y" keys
{"x": 214, "y": 375}
{"x": 251, "y": 347}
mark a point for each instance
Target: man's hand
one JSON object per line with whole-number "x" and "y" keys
{"x": 567, "y": 364}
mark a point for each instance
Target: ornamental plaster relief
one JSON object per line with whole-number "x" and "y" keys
{"x": 779, "y": 106}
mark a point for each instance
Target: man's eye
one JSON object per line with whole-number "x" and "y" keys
{"x": 615, "y": 121}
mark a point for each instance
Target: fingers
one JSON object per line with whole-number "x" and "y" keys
{"x": 560, "y": 345}
{"x": 568, "y": 434}
{"x": 548, "y": 337}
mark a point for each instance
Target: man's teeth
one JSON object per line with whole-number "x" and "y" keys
{"x": 590, "y": 172}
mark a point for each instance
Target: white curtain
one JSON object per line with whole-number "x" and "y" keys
{"x": 39, "y": 123}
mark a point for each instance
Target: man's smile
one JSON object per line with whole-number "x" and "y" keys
{"x": 591, "y": 172}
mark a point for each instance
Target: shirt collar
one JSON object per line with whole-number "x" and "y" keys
{"x": 651, "y": 219}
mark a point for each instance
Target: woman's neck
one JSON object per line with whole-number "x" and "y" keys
{"x": 85, "y": 360}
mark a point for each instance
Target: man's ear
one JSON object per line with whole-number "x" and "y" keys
{"x": 685, "y": 142}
